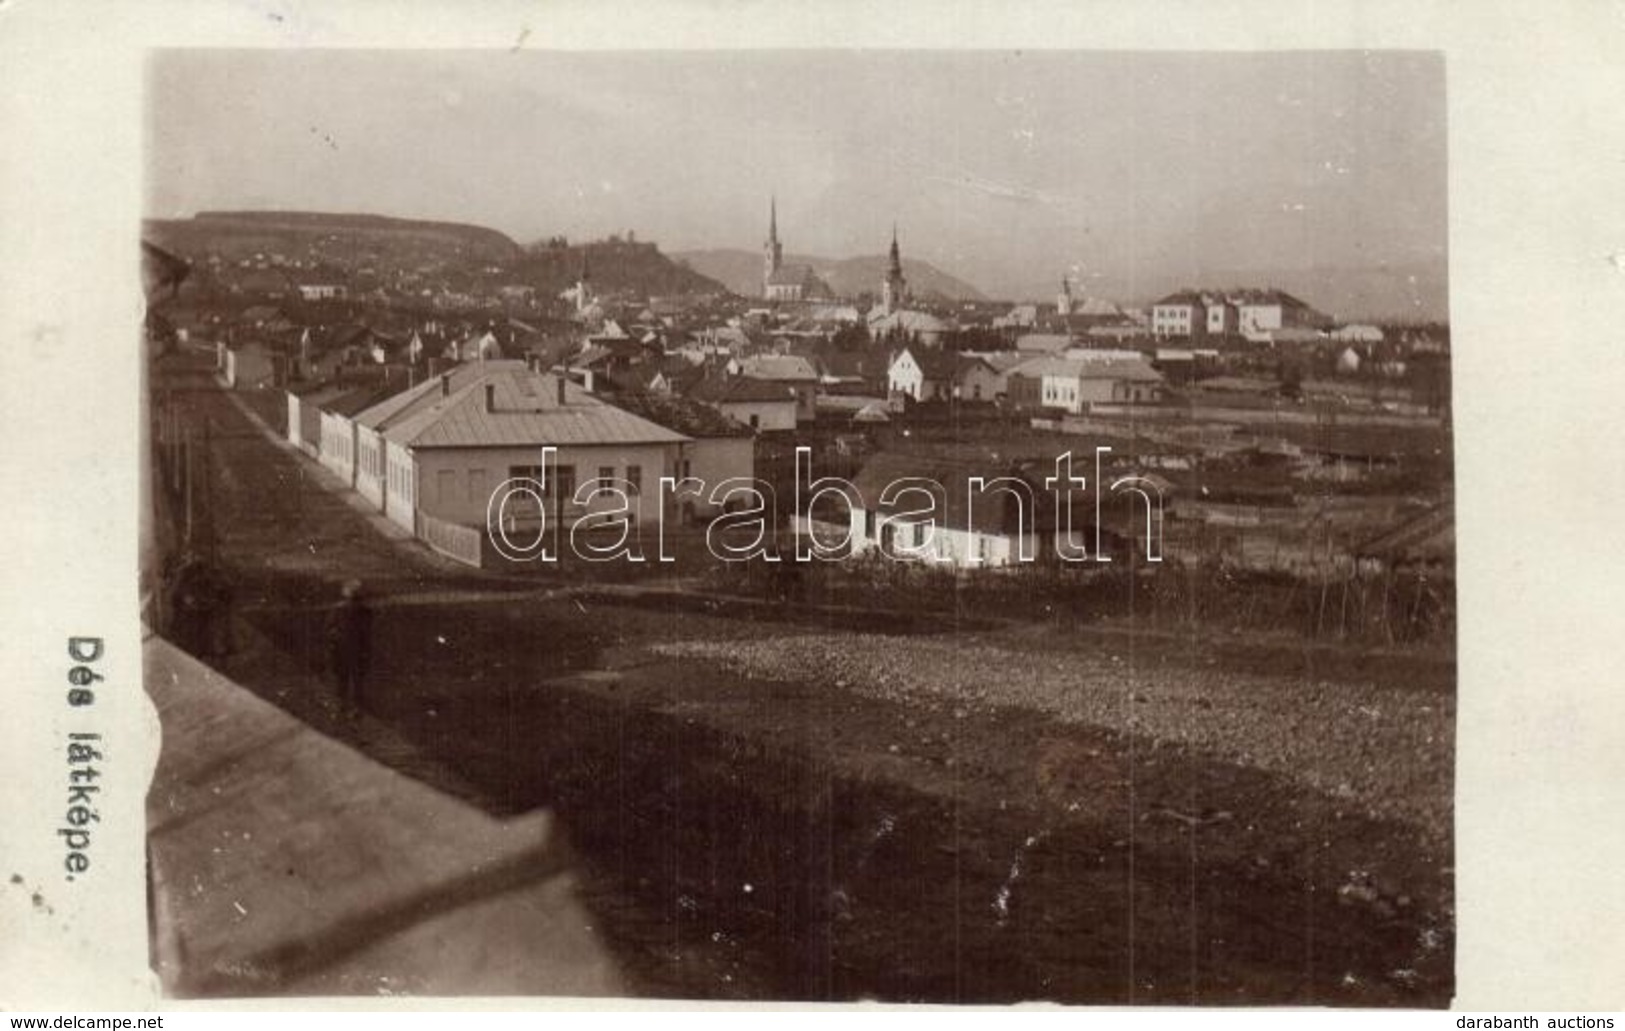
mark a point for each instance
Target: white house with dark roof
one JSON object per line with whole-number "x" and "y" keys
{"x": 1073, "y": 384}
{"x": 762, "y": 405}
{"x": 787, "y": 370}
{"x": 921, "y": 375}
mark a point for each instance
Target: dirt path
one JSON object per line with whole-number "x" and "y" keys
{"x": 763, "y": 816}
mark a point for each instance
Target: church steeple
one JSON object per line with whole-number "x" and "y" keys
{"x": 772, "y": 251}
{"x": 894, "y": 287}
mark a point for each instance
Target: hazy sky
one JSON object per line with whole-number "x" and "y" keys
{"x": 1006, "y": 168}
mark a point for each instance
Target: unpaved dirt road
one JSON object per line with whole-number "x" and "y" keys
{"x": 785, "y": 810}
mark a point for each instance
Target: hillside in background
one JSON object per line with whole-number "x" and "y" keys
{"x": 741, "y": 272}
{"x": 341, "y": 239}
{"x": 614, "y": 266}
{"x": 368, "y": 250}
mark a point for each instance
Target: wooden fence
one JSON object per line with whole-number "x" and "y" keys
{"x": 465, "y": 544}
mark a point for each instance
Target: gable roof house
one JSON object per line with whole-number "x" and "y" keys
{"x": 853, "y": 372}
{"x": 922, "y": 375}
{"x": 972, "y": 528}
{"x": 351, "y": 445}
{"x": 985, "y": 376}
{"x": 444, "y": 450}
{"x": 481, "y": 345}
{"x": 321, "y": 352}
{"x": 762, "y": 405}
{"x": 985, "y": 524}
{"x": 1073, "y": 385}
{"x": 788, "y": 370}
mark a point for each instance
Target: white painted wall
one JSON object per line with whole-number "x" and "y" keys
{"x": 771, "y": 415}
{"x": 455, "y": 484}
{"x": 369, "y": 465}
{"x": 338, "y": 446}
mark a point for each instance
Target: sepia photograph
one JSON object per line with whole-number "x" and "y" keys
{"x": 783, "y": 525}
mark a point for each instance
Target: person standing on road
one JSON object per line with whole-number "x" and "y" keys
{"x": 349, "y": 632}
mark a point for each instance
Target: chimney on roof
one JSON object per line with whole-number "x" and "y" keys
{"x": 561, "y": 391}
{"x": 490, "y": 397}
{"x": 445, "y": 384}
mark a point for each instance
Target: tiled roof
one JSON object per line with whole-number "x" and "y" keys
{"x": 357, "y": 399}
{"x": 936, "y": 365}
{"x": 908, "y": 321}
{"x": 1006, "y": 361}
{"x": 525, "y": 412}
{"x": 1183, "y": 297}
{"x": 426, "y": 393}
{"x": 1050, "y": 342}
{"x": 787, "y": 367}
{"x": 1134, "y": 369}
{"x": 684, "y": 414}
{"x": 718, "y": 390}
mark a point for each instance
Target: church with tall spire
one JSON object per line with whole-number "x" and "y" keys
{"x": 781, "y": 282}
{"x": 894, "y": 288}
{"x": 772, "y": 251}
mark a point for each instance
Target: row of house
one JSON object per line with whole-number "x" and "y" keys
{"x": 981, "y": 516}
{"x": 1257, "y": 315}
{"x": 431, "y": 455}
{"x": 1067, "y": 381}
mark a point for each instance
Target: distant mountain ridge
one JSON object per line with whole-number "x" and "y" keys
{"x": 740, "y": 270}
{"x": 458, "y": 252}
{"x": 235, "y": 232}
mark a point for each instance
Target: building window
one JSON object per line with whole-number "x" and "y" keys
{"x": 606, "y": 477}
{"x": 565, "y": 478}
{"x": 755, "y": 422}
{"x": 634, "y": 478}
{"x": 527, "y": 472}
